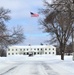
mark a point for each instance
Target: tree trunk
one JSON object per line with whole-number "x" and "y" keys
{"x": 62, "y": 49}
{"x": 62, "y": 55}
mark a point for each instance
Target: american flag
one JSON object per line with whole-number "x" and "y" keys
{"x": 34, "y": 14}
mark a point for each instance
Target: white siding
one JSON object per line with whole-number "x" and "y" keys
{"x": 24, "y": 50}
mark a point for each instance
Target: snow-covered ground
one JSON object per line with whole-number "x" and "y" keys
{"x": 36, "y": 65}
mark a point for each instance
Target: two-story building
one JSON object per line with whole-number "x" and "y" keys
{"x": 34, "y": 50}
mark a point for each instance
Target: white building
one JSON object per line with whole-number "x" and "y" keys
{"x": 35, "y": 50}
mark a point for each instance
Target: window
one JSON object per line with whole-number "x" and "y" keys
{"x": 34, "y": 53}
{"x": 24, "y": 53}
{"x": 53, "y": 48}
{"x": 41, "y": 48}
{"x": 53, "y": 52}
{"x": 16, "y": 53}
{"x": 45, "y": 49}
{"x": 12, "y": 49}
{"x": 49, "y": 52}
{"x": 34, "y": 49}
{"x": 38, "y": 49}
{"x": 38, "y": 52}
{"x": 49, "y": 48}
{"x": 16, "y": 49}
{"x": 27, "y": 53}
{"x": 12, "y": 53}
{"x": 45, "y": 52}
{"x": 8, "y": 53}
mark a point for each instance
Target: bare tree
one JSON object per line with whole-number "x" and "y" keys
{"x": 69, "y": 49}
{"x": 58, "y": 21}
{"x": 8, "y": 37}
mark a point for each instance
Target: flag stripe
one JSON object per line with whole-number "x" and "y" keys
{"x": 34, "y": 14}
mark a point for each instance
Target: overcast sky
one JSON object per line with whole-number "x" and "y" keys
{"x": 20, "y": 15}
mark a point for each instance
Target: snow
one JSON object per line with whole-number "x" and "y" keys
{"x": 36, "y": 65}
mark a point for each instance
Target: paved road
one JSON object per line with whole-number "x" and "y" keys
{"x": 29, "y": 68}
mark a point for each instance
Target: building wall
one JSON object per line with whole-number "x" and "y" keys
{"x": 36, "y": 50}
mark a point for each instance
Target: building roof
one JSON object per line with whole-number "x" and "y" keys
{"x": 32, "y": 46}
